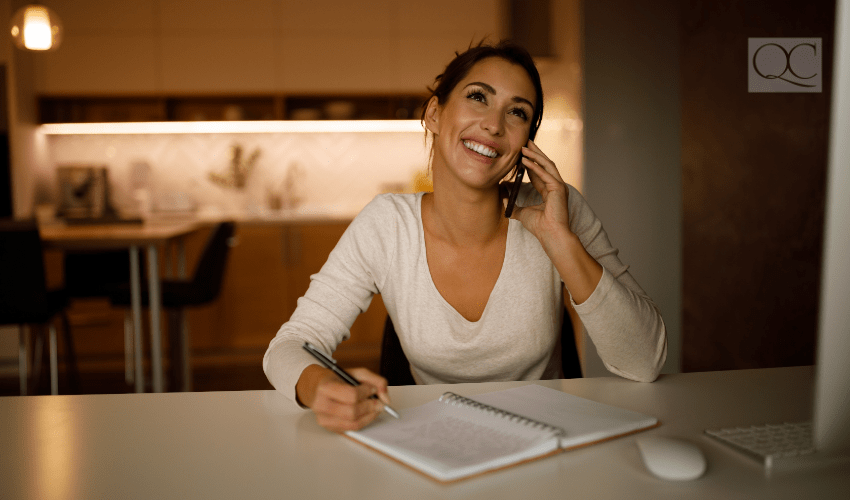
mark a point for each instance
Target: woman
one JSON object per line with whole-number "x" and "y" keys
{"x": 473, "y": 296}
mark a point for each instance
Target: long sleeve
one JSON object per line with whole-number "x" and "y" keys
{"x": 338, "y": 293}
{"x": 620, "y": 318}
{"x": 383, "y": 251}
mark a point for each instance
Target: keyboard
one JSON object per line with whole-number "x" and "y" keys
{"x": 769, "y": 444}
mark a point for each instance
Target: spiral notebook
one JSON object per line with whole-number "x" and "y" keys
{"x": 456, "y": 437}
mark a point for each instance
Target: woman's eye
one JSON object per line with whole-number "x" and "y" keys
{"x": 476, "y": 95}
{"x": 520, "y": 113}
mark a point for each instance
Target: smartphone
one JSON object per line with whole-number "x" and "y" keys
{"x": 520, "y": 173}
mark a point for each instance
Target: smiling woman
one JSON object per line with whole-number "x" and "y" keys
{"x": 473, "y": 296}
{"x": 483, "y": 122}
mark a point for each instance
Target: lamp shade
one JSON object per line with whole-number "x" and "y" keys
{"x": 36, "y": 27}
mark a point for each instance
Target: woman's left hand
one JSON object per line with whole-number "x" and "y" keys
{"x": 551, "y": 217}
{"x": 550, "y": 223}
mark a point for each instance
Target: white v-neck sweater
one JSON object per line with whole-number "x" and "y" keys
{"x": 383, "y": 251}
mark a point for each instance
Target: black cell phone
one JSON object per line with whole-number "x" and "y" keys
{"x": 520, "y": 173}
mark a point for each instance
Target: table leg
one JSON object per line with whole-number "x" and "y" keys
{"x": 129, "y": 347}
{"x": 54, "y": 360}
{"x": 181, "y": 257}
{"x": 168, "y": 260}
{"x": 136, "y": 304}
{"x": 184, "y": 320}
{"x": 22, "y": 358}
{"x": 187, "y": 368}
{"x": 175, "y": 367}
{"x": 178, "y": 337}
{"x": 155, "y": 302}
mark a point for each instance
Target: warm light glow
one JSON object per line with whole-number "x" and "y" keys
{"x": 55, "y": 454}
{"x": 233, "y": 127}
{"x": 36, "y": 27}
{"x": 561, "y": 136}
{"x": 37, "y": 32}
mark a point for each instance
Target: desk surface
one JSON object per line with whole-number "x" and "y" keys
{"x": 113, "y": 235}
{"x": 256, "y": 444}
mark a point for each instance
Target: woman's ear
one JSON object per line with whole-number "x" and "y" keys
{"x": 432, "y": 115}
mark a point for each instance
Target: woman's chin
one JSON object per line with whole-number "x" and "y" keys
{"x": 477, "y": 177}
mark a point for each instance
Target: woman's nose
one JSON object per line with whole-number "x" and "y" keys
{"x": 493, "y": 122}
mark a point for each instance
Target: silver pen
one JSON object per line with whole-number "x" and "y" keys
{"x": 330, "y": 364}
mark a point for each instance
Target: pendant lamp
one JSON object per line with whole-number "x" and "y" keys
{"x": 36, "y": 27}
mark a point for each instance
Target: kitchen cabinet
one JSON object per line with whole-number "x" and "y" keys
{"x": 197, "y": 46}
{"x": 146, "y": 108}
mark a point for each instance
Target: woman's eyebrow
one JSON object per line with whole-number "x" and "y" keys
{"x": 491, "y": 90}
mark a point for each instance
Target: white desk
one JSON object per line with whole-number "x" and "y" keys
{"x": 255, "y": 444}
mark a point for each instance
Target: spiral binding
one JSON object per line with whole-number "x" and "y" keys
{"x": 458, "y": 400}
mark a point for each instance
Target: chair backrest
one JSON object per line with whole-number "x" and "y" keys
{"x": 570, "y": 363}
{"x": 209, "y": 273}
{"x": 23, "y": 291}
{"x": 395, "y": 367}
{"x": 394, "y": 364}
{"x": 97, "y": 273}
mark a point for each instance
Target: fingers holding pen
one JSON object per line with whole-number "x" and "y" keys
{"x": 341, "y": 407}
{"x": 367, "y": 377}
{"x": 335, "y": 423}
{"x": 341, "y": 400}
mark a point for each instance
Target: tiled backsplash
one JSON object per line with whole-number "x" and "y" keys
{"x": 337, "y": 173}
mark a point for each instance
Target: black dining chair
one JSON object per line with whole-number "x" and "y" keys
{"x": 96, "y": 274}
{"x": 25, "y": 301}
{"x": 395, "y": 367}
{"x": 201, "y": 288}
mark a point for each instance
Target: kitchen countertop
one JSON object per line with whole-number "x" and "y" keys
{"x": 261, "y": 215}
{"x": 298, "y": 216}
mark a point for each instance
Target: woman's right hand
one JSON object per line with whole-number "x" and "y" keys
{"x": 338, "y": 406}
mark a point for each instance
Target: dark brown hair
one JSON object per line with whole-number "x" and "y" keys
{"x": 463, "y": 62}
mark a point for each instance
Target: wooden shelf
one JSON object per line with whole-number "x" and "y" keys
{"x": 110, "y": 109}
{"x": 101, "y": 109}
{"x": 360, "y": 107}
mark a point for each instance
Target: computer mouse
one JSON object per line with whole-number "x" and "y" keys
{"x": 670, "y": 458}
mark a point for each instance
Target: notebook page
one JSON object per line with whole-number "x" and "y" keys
{"x": 584, "y": 421}
{"x": 449, "y": 441}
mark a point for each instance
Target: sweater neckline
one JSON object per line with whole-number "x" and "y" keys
{"x": 423, "y": 256}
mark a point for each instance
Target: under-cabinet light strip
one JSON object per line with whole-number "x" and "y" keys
{"x": 233, "y": 127}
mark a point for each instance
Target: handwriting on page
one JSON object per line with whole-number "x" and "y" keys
{"x": 453, "y": 441}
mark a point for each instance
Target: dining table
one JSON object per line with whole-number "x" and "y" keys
{"x": 150, "y": 235}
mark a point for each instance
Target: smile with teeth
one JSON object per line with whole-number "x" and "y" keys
{"x": 480, "y": 149}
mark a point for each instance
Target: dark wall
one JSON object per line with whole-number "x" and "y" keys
{"x": 5, "y": 161}
{"x": 632, "y": 156}
{"x": 753, "y": 184}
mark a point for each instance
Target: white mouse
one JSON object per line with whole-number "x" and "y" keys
{"x": 670, "y": 458}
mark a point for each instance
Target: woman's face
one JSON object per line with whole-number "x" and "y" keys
{"x": 481, "y": 128}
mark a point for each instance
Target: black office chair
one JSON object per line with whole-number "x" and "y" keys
{"x": 201, "y": 288}
{"x": 26, "y": 301}
{"x": 395, "y": 367}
